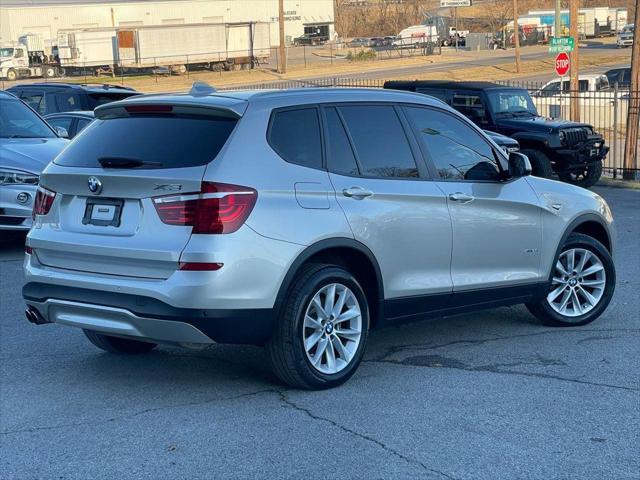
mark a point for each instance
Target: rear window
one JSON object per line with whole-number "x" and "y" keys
{"x": 161, "y": 141}
{"x": 100, "y": 98}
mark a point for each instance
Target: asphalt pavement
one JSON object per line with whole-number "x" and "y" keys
{"x": 489, "y": 395}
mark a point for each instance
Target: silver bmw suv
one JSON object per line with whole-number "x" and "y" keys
{"x": 300, "y": 220}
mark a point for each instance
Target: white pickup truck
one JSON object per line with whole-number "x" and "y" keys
{"x": 625, "y": 36}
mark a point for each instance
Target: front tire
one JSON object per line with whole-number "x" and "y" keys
{"x": 118, "y": 345}
{"x": 12, "y": 75}
{"x": 540, "y": 163}
{"x": 581, "y": 285}
{"x": 320, "y": 337}
{"x": 585, "y": 178}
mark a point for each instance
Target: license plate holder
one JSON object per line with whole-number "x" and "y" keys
{"x": 103, "y": 212}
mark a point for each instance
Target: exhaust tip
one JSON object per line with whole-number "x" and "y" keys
{"x": 34, "y": 316}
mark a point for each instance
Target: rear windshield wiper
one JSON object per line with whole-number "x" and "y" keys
{"x": 123, "y": 162}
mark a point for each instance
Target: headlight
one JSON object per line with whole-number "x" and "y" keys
{"x": 16, "y": 177}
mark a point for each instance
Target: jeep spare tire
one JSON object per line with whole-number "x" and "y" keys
{"x": 540, "y": 163}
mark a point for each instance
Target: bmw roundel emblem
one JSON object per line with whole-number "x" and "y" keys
{"x": 95, "y": 185}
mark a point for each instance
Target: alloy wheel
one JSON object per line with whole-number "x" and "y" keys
{"x": 332, "y": 328}
{"x": 578, "y": 285}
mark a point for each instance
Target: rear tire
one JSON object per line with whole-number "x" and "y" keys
{"x": 49, "y": 72}
{"x": 540, "y": 163}
{"x": 585, "y": 179}
{"x": 598, "y": 285}
{"x": 306, "y": 350}
{"x": 118, "y": 345}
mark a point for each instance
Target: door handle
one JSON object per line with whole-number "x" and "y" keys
{"x": 461, "y": 197}
{"x": 357, "y": 192}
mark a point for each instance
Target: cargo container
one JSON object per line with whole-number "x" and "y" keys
{"x": 211, "y": 45}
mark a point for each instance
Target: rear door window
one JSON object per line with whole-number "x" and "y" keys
{"x": 380, "y": 141}
{"x": 159, "y": 141}
{"x": 295, "y": 136}
{"x": 340, "y": 157}
{"x": 68, "y": 102}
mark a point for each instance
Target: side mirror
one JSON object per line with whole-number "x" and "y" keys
{"x": 519, "y": 165}
{"x": 62, "y": 132}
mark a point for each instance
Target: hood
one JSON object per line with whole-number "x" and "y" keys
{"x": 29, "y": 154}
{"x": 500, "y": 139}
{"x": 538, "y": 124}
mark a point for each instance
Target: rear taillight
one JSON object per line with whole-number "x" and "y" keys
{"x": 217, "y": 208}
{"x": 44, "y": 200}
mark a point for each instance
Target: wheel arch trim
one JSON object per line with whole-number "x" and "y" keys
{"x": 324, "y": 245}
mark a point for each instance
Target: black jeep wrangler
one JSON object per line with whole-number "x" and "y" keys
{"x": 572, "y": 150}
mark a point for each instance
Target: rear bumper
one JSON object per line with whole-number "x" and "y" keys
{"x": 146, "y": 318}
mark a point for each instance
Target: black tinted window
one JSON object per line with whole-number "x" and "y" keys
{"x": 100, "y": 98}
{"x": 18, "y": 121}
{"x": 82, "y": 124}
{"x": 457, "y": 150}
{"x": 295, "y": 135}
{"x": 36, "y": 100}
{"x": 162, "y": 141}
{"x": 380, "y": 141}
{"x": 68, "y": 102}
{"x": 340, "y": 158}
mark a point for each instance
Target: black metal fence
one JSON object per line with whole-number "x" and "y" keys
{"x": 605, "y": 109}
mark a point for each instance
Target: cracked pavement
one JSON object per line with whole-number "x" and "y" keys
{"x": 488, "y": 395}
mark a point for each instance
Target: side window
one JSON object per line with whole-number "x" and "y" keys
{"x": 295, "y": 136}
{"x": 583, "y": 85}
{"x": 470, "y": 106}
{"x": 35, "y": 100}
{"x": 18, "y": 53}
{"x": 439, "y": 94}
{"x": 551, "y": 89}
{"x": 457, "y": 150}
{"x": 68, "y": 102}
{"x": 380, "y": 141}
{"x": 64, "y": 122}
{"x": 340, "y": 157}
{"x": 81, "y": 124}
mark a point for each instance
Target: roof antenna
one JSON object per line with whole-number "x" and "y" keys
{"x": 201, "y": 89}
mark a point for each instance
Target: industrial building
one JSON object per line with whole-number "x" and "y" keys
{"x": 47, "y": 17}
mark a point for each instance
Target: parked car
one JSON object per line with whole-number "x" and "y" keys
{"x": 47, "y": 98}
{"x": 360, "y": 207}
{"x": 72, "y": 122}
{"x": 27, "y": 144}
{"x": 621, "y": 76}
{"x": 360, "y": 42}
{"x": 626, "y": 36}
{"x": 562, "y": 87}
{"x": 311, "y": 39}
{"x": 572, "y": 150}
{"x": 381, "y": 42}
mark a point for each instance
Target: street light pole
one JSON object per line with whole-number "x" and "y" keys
{"x": 516, "y": 34}
{"x": 282, "y": 49}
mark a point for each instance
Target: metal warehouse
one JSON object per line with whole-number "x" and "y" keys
{"x": 47, "y": 17}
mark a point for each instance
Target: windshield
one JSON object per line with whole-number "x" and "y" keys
{"x": 6, "y": 52}
{"x": 19, "y": 121}
{"x": 512, "y": 102}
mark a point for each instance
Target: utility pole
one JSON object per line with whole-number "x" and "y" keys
{"x": 574, "y": 85}
{"x": 558, "y": 26}
{"x": 516, "y": 34}
{"x": 282, "y": 68}
{"x": 631, "y": 153}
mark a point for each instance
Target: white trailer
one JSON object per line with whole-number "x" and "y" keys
{"x": 212, "y": 45}
{"x": 87, "y": 48}
{"x": 416, "y": 36}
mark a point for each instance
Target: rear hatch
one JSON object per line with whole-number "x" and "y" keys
{"x": 103, "y": 218}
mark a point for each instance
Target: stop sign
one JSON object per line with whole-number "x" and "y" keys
{"x": 562, "y": 64}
